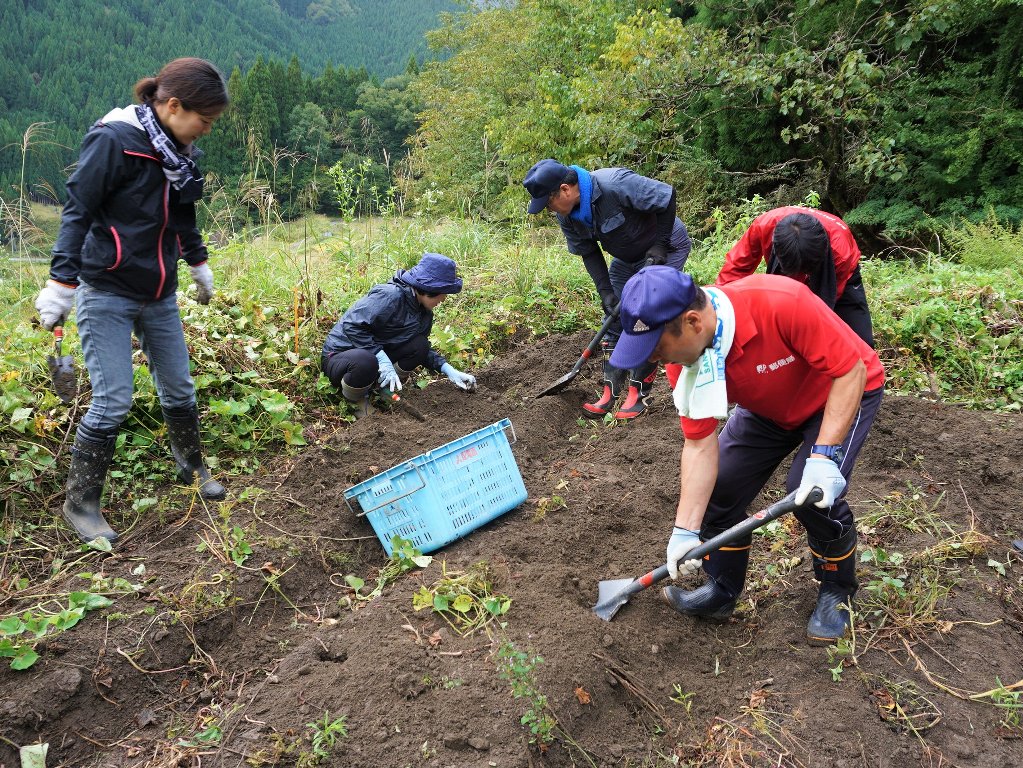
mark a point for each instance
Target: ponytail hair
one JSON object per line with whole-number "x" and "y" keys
{"x": 196, "y": 83}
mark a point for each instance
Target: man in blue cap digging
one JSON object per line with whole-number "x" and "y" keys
{"x": 385, "y": 335}
{"x": 803, "y": 381}
{"x": 631, "y": 217}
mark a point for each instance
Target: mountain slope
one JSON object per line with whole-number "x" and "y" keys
{"x": 68, "y": 63}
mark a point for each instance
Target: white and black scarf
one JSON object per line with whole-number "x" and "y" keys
{"x": 178, "y": 166}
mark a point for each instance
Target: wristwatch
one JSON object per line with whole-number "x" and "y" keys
{"x": 833, "y": 452}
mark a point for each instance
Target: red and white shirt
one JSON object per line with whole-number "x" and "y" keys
{"x": 788, "y": 348}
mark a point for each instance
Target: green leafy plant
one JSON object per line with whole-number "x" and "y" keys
{"x": 682, "y": 698}
{"x": 547, "y": 504}
{"x": 517, "y": 668}
{"x": 1011, "y": 704}
{"x": 404, "y": 557}
{"x": 465, "y": 600}
{"x": 19, "y": 634}
{"x": 843, "y": 655}
{"x": 323, "y": 735}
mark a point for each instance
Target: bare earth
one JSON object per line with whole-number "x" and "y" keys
{"x": 207, "y": 642}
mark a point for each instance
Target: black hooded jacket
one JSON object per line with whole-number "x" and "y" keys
{"x": 123, "y": 228}
{"x": 386, "y": 317}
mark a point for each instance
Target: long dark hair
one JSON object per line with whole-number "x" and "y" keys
{"x": 196, "y": 83}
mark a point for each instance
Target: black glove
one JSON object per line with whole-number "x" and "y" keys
{"x": 657, "y": 254}
{"x": 609, "y": 302}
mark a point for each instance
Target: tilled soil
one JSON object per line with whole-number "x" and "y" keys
{"x": 222, "y": 664}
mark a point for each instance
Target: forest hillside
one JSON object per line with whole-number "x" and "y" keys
{"x": 66, "y": 64}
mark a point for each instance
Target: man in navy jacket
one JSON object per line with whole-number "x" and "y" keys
{"x": 631, "y": 217}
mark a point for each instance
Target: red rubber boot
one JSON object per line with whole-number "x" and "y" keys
{"x": 614, "y": 383}
{"x": 640, "y": 385}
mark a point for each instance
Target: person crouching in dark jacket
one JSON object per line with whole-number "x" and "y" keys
{"x": 384, "y": 336}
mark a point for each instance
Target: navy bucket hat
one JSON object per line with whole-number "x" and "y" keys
{"x": 433, "y": 274}
{"x": 542, "y": 179}
{"x": 653, "y": 297}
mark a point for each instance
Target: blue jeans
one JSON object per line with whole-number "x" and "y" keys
{"x": 106, "y": 322}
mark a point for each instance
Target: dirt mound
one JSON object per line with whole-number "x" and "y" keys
{"x": 215, "y": 661}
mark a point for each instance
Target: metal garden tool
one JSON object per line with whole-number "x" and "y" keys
{"x": 62, "y": 369}
{"x": 614, "y": 593}
{"x": 393, "y": 398}
{"x": 594, "y": 345}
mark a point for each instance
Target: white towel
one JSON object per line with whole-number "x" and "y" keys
{"x": 701, "y": 392}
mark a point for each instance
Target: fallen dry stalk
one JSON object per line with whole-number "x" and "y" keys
{"x": 636, "y": 690}
{"x": 959, "y": 694}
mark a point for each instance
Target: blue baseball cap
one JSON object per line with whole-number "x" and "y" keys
{"x": 433, "y": 274}
{"x": 652, "y": 297}
{"x": 542, "y": 179}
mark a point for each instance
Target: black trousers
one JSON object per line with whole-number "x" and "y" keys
{"x": 751, "y": 448}
{"x": 851, "y": 306}
{"x": 359, "y": 367}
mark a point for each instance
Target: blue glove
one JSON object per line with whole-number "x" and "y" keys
{"x": 682, "y": 540}
{"x": 823, "y": 474}
{"x": 461, "y": 380}
{"x": 388, "y": 378}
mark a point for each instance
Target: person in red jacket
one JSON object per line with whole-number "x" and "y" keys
{"x": 803, "y": 382}
{"x": 813, "y": 247}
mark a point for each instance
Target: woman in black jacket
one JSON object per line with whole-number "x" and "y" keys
{"x": 385, "y": 335}
{"x": 129, "y": 218}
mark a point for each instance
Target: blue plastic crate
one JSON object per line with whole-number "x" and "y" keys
{"x": 441, "y": 495}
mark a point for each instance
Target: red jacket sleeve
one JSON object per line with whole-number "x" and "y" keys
{"x": 746, "y": 255}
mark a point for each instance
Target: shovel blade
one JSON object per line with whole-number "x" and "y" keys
{"x": 559, "y": 385}
{"x": 611, "y": 596}
{"x": 62, "y": 374}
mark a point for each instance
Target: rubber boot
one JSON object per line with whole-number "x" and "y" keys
{"x": 834, "y": 565}
{"x": 186, "y": 445}
{"x": 614, "y": 385}
{"x": 85, "y": 480}
{"x": 359, "y": 396}
{"x": 403, "y": 376}
{"x": 641, "y": 382}
{"x": 716, "y": 598}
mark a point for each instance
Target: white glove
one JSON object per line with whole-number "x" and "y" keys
{"x": 823, "y": 474}
{"x": 54, "y": 303}
{"x": 202, "y": 276}
{"x": 682, "y": 540}
{"x": 388, "y": 378}
{"x": 461, "y": 380}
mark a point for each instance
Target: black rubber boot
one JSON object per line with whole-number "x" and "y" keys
{"x": 359, "y": 396}
{"x": 641, "y": 382}
{"x": 403, "y": 376}
{"x": 85, "y": 480}
{"x": 708, "y": 601}
{"x": 834, "y": 565}
{"x": 614, "y": 385}
{"x": 716, "y": 598}
{"x": 186, "y": 445}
